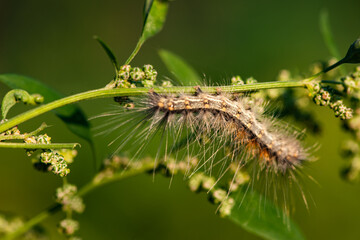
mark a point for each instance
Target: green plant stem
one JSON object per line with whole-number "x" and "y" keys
{"x": 39, "y": 146}
{"x": 32, "y": 222}
{"x": 136, "y": 50}
{"x": 103, "y": 93}
{"x": 82, "y": 192}
{"x": 116, "y": 177}
{"x": 25, "y": 135}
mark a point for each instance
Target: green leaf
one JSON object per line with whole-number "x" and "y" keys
{"x": 260, "y": 216}
{"x": 329, "y": 40}
{"x": 109, "y": 53}
{"x": 154, "y": 18}
{"x": 16, "y": 95}
{"x": 327, "y": 34}
{"x": 147, "y": 6}
{"x": 182, "y": 71}
{"x": 72, "y": 115}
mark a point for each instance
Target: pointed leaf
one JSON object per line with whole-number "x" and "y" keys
{"x": 154, "y": 18}
{"x": 109, "y": 53}
{"x": 263, "y": 218}
{"x": 329, "y": 40}
{"x": 147, "y": 6}
{"x": 182, "y": 71}
{"x": 327, "y": 34}
{"x": 72, "y": 115}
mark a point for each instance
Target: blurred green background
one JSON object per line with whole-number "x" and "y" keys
{"x": 52, "y": 41}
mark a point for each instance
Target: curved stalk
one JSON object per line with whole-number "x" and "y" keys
{"x": 103, "y": 93}
{"x": 38, "y": 146}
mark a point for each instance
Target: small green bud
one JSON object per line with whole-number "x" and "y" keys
{"x": 352, "y": 172}
{"x": 218, "y": 196}
{"x": 349, "y": 148}
{"x": 284, "y": 75}
{"x": 147, "y": 68}
{"x": 195, "y": 182}
{"x": 124, "y": 75}
{"x": 166, "y": 84}
{"x": 44, "y": 139}
{"x": 74, "y": 204}
{"x": 68, "y": 226}
{"x": 236, "y": 81}
{"x": 226, "y": 207}
{"x": 251, "y": 80}
{"x": 151, "y": 75}
{"x": 68, "y": 154}
{"x": 125, "y": 68}
{"x": 208, "y": 182}
{"x": 148, "y": 83}
{"x": 136, "y": 74}
{"x": 65, "y": 193}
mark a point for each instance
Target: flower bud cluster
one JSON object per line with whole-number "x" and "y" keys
{"x": 200, "y": 182}
{"x": 129, "y": 77}
{"x": 54, "y": 162}
{"x": 68, "y": 227}
{"x": 325, "y": 96}
{"x": 237, "y": 81}
{"x": 172, "y": 167}
{"x": 111, "y": 166}
{"x": 9, "y": 225}
{"x": 351, "y": 84}
{"x": 239, "y": 177}
{"x": 66, "y": 196}
{"x": 48, "y": 159}
{"x": 11, "y": 131}
{"x": 350, "y": 149}
{"x": 166, "y": 84}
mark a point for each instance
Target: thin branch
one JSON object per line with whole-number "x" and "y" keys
{"x": 25, "y": 135}
{"x": 39, "y": 146}
{"x": 103, "y": 93}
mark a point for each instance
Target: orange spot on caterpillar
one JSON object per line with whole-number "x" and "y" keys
{"x": 264, "y": 154}
{"x": 252, "y": 146}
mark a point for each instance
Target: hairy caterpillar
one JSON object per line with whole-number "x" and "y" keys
{"x": 218, "y": 129}
{"x": 276, "y": 150}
